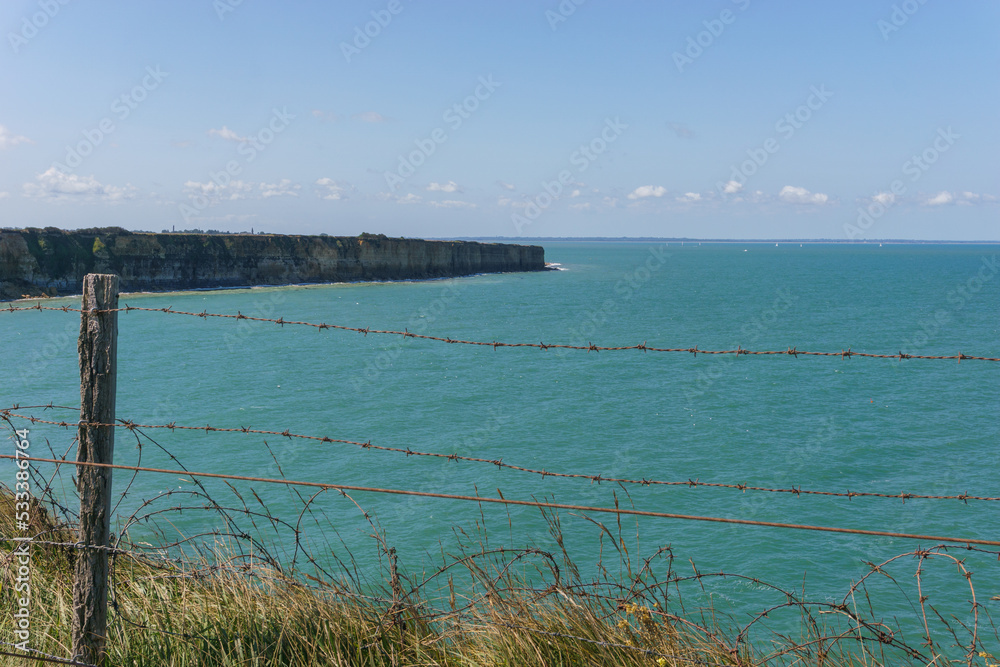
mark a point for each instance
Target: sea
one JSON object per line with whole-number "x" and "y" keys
{"x": 833, "y": 423}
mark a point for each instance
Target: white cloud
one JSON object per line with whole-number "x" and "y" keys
{"x": 450, "y": 186}
{"x": 227, "y": 134}
{"x": 964, "y": 198}
{"x": 732, "y": 187}
{"x": 451, "y": 203}
{"x": 54, "y": 185}
{"x": 523, "y": 202}
{"x": 940, "y": 199}
{"x": 647, "y": 191}
{"x": 326, "y": 116}
{"x": 237, "y": 190}
{"x": 969, "y": 198}
{"x": 369, "y": 117}
{"x": 582, "y": 206}
{"x": 8, "y": 140}
{"x": 506, "y": 186}
{"x": 282, "y": 187}
{"x": 884, "y": 198}
{"x": 4, "y": 195}
{"x": 408, "y": 198}
{"x": 327, "y": 188}
{"x": 575, "y": 193}
{"x": 689, "y": 197}
{"x": 214, "y": 193}
{"x": 795, "y": 195}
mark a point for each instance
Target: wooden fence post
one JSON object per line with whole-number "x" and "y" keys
{"x": 98, "y": 349}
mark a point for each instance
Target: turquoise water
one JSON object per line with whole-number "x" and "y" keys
{"x": 832, "y": 424}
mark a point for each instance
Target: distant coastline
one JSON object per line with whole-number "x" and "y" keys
{"x": 52, "y": 262}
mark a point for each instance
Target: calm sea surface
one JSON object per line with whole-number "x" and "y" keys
{"x": 830, "y": 424}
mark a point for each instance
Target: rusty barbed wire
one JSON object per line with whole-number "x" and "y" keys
{"x": 636, "y": 591}
{"x": 48, "y": 406}
{"x": 37, "y": 656}
{"x": 499, "y": 463}
{"x": 78, "y": 546}
{"x": 879, "y": 631}
{"x": 198, "y": 568}
{"x": 527, "y": 503}
{"x": 145, "y": 555}
{"x": 590, "y": 347}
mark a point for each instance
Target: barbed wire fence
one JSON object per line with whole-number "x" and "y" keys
{"x": 642, "y": 347}
{"x": 13, "y": 412}
{"x": 633, "y": 602}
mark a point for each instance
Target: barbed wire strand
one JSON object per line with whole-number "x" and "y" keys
{"x": 43, "y": 657}
{"x": 526, "y": 503}
{"x": 111, "y": 550}
{"x": 590, "y": 347}
{"x": 691, "y": 483}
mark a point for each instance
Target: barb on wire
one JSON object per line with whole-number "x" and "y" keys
{"x": 528, "y": 503}
{"x": 499, "y": 463}
{"x": 590, "y": 347}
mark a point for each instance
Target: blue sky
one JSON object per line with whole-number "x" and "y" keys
{"x": 717, "y": 119}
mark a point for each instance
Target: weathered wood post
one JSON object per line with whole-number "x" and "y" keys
{"x": 98, "y": 349}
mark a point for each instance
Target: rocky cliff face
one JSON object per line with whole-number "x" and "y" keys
{"x": 39, "y": 262}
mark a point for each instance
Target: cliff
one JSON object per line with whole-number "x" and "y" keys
{"x": 50, "y": 261}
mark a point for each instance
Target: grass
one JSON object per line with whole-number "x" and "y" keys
{"x": 226, "y": 614}
{"x": 218, "y": 614}
{"x": 224, "y": 609}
